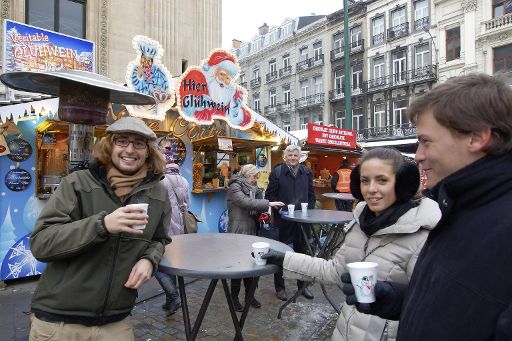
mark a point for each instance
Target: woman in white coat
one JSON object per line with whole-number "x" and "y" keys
{"x": 390, "y": 226}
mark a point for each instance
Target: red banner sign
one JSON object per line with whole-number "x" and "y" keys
{"x": 331, "y": 136}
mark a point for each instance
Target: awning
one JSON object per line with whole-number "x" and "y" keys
{"x": 383, "y": 143}
{"x": 29, "y": 110}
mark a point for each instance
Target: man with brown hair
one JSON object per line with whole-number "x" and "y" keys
{"x": 460, "y": 287}
{"x": 96, "y": 259}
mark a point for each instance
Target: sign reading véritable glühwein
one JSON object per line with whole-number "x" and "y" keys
{"x": 331, "y": 136}
{"x": 210, "y": 92}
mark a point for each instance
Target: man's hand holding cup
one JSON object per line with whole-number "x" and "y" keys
{"x": 130, "y": 219}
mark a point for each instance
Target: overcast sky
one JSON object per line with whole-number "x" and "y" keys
{"x": 242, "y": 18}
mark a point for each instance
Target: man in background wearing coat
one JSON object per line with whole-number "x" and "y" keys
{"x": 460, "y": 287}
{"x": 291, "y": 183}
{"x": 96, "y": 258}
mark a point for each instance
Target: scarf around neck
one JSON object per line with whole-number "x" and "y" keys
{"x": 370, "y": 223}
{"x": 122, "y": 183}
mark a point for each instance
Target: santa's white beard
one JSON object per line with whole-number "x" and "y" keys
{"x": 219, "y": 94}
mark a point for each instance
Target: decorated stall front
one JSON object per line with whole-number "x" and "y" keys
{"x": 324, "y": 150}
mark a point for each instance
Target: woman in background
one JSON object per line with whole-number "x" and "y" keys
{"x": 245, "y": 202}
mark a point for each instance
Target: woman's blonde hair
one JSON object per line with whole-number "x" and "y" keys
{"x": 249, "y": 170}
{"x": 102, "y": 152}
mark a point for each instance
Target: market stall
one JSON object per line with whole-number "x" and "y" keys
{"x": 324, "y": 149}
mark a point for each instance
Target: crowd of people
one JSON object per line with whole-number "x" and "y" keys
{"x": 443, "y": 252}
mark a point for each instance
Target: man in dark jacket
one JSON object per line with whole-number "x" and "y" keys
{"x": 96, "y": 259}
{"x": 290, "y": 183}
{"x": 460, "y": 287}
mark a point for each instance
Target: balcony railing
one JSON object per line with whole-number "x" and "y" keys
{"x": 243, "y": 84}
{"x": 336, "y": 94}
{"x": 255, "y": 82}
{"x": 378, "y": 39}
{"x": 286, "y": 71}
{"x": 421, "y": 24}
{"x": 387, "y": 132}
{"x": 398, "y": 31}
{"x": 284, "y": 107}
{"x": 497, "y": 23}
{"x": 309, "y": 101}
{"x": 421, "y": 74}
{"x": 271, "y": 76}
{"x": 311, "y": 62}
{"x": 270, "y": 110}
{"x": 355, "y": 47}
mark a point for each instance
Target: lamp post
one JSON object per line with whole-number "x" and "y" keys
{"x": 348, "y": 99}
{"x": 427, "y": 30}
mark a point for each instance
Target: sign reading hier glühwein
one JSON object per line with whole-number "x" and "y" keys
{"x": 331, "y": 136}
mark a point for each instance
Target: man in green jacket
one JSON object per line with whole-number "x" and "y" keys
{"x": 95, "y": 259}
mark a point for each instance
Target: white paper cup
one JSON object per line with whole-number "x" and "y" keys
{"x": 304, "y": 207}
{"x": 139, "y": 206}
{"x": 364, "y": 277}
{"x": 291, "y": 209}
{"x": 259, "y": 249}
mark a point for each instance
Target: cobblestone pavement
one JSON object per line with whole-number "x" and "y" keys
{"x": 303, "y": 320}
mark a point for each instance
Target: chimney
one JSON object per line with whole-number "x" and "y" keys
{"x": 263, "y": 29}
{"x": 236, "y": 43}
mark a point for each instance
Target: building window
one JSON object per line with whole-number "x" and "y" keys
{"x": 286, "y": 61}
{"x": 303, "y": 54}
{"x": 317, "y": 51}
{"x": 286, "y": 126}
{"x": 339, "y": 119}
{"x": 356, "y": 36}
{"x": 241, "y": 80}
{"x": 399, "y": 109}
{"x": 379, "y": 115}
{"x": 357, "y": 119}
{"x": 64, "y": 16}
{"x": 304, "y": 88}
{"x": 339, "y": 81}
{"x": 502, "y": 58}
{"x": 501, "y": 7}
{"x": 453, "y": 44}
{"x": 304, "y": 123}
{"x": 398, "y": 18}
{"x": 378, "y": 70}
{"x": 319, "y": 85}
{"x": 319, "y": 119}
{"x": 286, "y": 96}
{"x": 357, "y": 79}
{"x": 422, "y": 60}
{"x": 272, "y": 98}
{"x": 256, "y": 74}
{"x": 399, "y": 67}
{"x": 337, "y": 42}
{"x": 256, "y": 102}
{"x": 421, "y": 14}
{"x": 272, "y": 67}
{"x": 378, "y": 30}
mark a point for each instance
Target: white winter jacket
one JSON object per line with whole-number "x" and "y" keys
{"x": 395, "y": 248}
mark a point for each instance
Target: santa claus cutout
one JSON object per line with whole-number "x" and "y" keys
{"x": 210, "y": 91}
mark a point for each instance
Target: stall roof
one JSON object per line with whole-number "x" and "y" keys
{"x": 237, "y": 143}
{"x": 382, "y": 143}
{"x": 281, "y": 133}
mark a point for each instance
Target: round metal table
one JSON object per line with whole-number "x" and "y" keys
{"x": 339, "y": 196}
{"x": 215, "y": 256}
{"x": 335, "y": 234}
{"x": 343, "y": 201}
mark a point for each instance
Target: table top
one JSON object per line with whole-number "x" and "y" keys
{"x": 320, "y": 217}
{"x": 341, "y": 196}
{"x": 216, "y": 256}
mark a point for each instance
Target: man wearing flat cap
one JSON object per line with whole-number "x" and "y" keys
{"x": 95, "y": 259}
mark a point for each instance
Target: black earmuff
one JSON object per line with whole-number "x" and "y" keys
{"x": 406, "y": 185}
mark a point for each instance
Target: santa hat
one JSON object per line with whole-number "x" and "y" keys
{"x": 224, "y": 60}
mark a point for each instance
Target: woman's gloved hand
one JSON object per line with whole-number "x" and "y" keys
{"x": 388, "y": 298}
{"x": 274, "y": 257}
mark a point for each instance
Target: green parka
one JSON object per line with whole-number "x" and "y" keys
{"x": 87, "y": 266}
